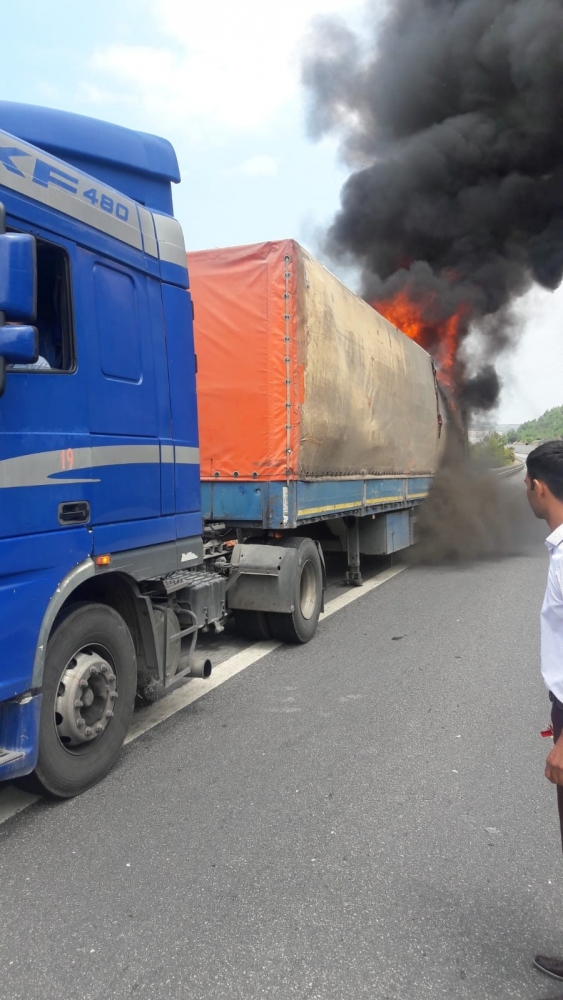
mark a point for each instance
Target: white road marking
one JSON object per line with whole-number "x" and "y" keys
{"x": 356, "y": 592}
{"x": 12, "y": 801}
{"x": 148, "y": 718}
{"x": 152, "y": 716}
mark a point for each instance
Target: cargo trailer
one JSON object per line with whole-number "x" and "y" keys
{"x": 312, "y": 407}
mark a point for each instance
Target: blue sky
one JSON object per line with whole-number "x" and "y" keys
{"x": 221, "y": 81}
{"x": 222, "y": 84}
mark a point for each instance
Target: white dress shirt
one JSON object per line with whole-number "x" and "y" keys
{"x": 552, "y": 618}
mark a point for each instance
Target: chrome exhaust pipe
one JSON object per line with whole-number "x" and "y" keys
{"x": 201, "y": 667}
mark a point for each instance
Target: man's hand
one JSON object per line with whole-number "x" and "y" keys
{"x": 554, "y": 765}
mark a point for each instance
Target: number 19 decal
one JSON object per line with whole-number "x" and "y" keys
{"x": 67, "y": 459}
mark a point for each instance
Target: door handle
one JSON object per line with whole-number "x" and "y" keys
{"x": 74, "y": 513}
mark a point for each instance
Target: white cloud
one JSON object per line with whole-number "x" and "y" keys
{"x": 532, "y": 371}
{"x": 95, "y": 95}
{"x": 257, "y": 166}
{"x": 214, "y": 66}
{"x": 49, "y": 92}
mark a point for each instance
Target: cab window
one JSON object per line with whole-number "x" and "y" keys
{"x": 54, "y": 320}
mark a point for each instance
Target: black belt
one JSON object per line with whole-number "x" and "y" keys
{"x": 555, "y": 701}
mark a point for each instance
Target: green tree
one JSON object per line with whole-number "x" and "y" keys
{"x": 492, "y": 453}
{"x": 548, "y": 427}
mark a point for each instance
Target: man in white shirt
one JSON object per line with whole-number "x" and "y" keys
{"x": 544, "y": 484}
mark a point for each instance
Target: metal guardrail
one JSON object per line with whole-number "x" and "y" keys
{"x": 512, "y": 470}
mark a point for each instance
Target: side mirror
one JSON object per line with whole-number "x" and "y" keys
{"x": 18, "y": 298}
{"x": 18, "y": 277}
{"x": 19, "y": 345}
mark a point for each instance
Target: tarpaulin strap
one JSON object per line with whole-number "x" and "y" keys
{"x": 440, "y": 417}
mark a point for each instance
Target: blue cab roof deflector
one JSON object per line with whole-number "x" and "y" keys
{"x": 138, "y": 164}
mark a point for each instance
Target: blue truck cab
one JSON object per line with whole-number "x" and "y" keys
{"x": 100, "y": 513}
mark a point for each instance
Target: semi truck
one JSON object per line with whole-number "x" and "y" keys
{"x": 153, "y": 486}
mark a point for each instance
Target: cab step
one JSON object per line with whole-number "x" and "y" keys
{"x": 10, "y": 757}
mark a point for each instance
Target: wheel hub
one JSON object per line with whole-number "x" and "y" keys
{"x": 85, "y": 699}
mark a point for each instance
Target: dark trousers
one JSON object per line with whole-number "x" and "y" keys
{"x": 557, "y": 723}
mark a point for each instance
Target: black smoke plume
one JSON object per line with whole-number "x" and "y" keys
{"x": 450, "y": 115}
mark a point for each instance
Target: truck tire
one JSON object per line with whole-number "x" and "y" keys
{"x": 89, "y": 685}
{"x": 253, "y": 625}
{"x": 300, "y": 625}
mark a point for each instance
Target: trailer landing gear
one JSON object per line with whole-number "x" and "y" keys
{"x": 353, "y": 573}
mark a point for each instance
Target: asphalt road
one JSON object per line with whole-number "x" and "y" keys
{"x": 365, "y": 816}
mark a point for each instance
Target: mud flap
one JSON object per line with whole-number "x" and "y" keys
{"x": 262, "y": 578}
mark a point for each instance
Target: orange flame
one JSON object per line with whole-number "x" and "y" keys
{"x": 441, "y": 338}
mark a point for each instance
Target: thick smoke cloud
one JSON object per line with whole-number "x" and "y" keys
{"x": 450, "y": 115}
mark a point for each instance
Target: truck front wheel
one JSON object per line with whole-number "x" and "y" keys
{"x": 300, "y": 625}
{"x": 89, "y": 687}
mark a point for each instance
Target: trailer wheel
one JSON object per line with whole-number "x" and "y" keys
{"x": 253, "y": 625}
{"x": 300, "y": 625}
{"x": 89, "y": 687}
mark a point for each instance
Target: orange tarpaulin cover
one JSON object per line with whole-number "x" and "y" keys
{"x": 241, "y": 347}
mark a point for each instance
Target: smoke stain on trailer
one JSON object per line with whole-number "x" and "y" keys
{"x": 354, "y": 355}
